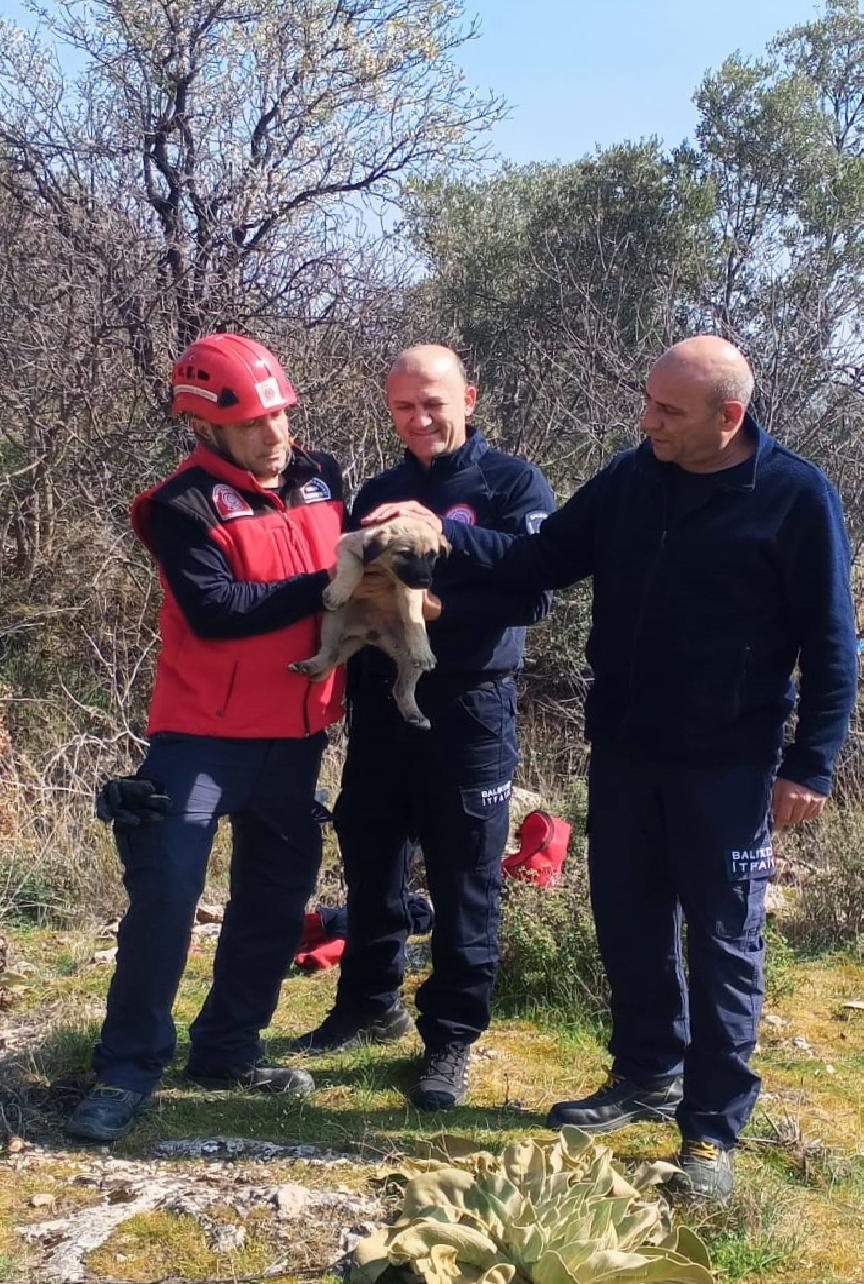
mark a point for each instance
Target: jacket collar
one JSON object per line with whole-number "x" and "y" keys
{"x": 299, "y": 469}
{"x": 467, "y": 455}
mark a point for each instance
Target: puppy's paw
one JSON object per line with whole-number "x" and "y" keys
{"x": 333, "y": 597}
{"x": 421, "y": 656}
{"x": 417, "y": 720}
{"x": 314, "y": 672}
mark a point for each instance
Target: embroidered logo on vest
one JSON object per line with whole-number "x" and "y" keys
{"x": 228, "y": 503}
{"x": 463, "y": 513}
{"x": 315, "y": 491}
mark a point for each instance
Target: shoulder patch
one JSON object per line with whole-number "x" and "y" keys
{"x": 463, "y": 513}
{"x": 315, "y": 491}
{"x": 228, "y": 503}
{"x": 533, "y": 521}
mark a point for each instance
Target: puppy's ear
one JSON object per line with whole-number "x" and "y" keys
{"x": 443, "y": 546}
{"x": 373, "y": 546}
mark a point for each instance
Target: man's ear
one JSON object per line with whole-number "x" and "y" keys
{"x": 373, "y": 546}
{"x": 470, "y": 399}
{"x": 201, "y": 428}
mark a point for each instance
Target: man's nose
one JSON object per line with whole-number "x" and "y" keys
{"x": 648, "y": 419}
{"x": 273, "y": 428}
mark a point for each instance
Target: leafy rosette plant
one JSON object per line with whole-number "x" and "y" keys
{"x": 554, "y": 1213}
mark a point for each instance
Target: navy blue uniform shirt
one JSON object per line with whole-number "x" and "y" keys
{"x": 481, "y": 628}
{"x": 705, "y": 598}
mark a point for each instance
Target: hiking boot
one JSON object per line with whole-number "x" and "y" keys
{"x": 260, "y": 1078}
{"x": 106, "y": 1113}
{"x": 616, "y": 1104}
{"x": 443, "y": 1081}
{"x": 708, "y": 1171}
{"x": 341, "y": 1030}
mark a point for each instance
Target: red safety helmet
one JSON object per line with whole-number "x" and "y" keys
{"x": 226, "y": 379}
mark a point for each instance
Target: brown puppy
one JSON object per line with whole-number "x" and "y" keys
{"x": 377, "y": 597}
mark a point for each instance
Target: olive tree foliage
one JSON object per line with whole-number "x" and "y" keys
{"x": 169, "y": 167}
{"x": 554, "y": 280}
{"x": 561, "y": 284}
{"x": 780, "y": 142}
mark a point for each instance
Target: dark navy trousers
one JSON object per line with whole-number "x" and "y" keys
{"x": 671, "y": 844}
{"x": 449, "y": 788}
{"x": 267, "y": 788}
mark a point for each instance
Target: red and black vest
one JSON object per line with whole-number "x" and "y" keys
{"x": 242, "y": 687}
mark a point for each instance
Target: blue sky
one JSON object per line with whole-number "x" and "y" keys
{"x": 580, "y": 72}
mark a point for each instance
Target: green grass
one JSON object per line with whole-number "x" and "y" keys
{"x": 798, "y": 1212}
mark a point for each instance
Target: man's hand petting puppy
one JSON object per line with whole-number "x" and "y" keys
{"x": 403, "y": 508}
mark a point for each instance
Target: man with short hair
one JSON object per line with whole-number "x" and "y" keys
{"x": 449, "y": 787}
{"x": 719, "y": 563}
{"x": 242, "y": 532}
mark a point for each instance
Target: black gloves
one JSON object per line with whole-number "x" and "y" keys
{"x": 129, "y": 802}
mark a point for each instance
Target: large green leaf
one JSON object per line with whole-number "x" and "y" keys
{"x": 551, "y": 1269}
{"x": 501, "y": 1274}
{"x": 419, "y": 1239}
{"x": 371, "y": 1258}
{"x": 445, "y": 1188}
{"x": 689, "y": 1245}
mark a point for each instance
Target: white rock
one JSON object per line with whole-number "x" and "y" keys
{"x": 228, "y": 1239}
{"x": 291, "y": 1199}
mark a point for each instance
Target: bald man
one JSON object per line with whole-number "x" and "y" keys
{"x": 450, "y": 786}
{"x": 719, "y": 563}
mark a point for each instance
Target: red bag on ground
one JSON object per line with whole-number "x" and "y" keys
{"x": 313, "y": 932}
{"x": 327, "y": 954}
{"x": 542, "y": 850}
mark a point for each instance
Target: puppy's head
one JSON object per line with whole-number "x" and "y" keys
{"x": 407, "y": 549}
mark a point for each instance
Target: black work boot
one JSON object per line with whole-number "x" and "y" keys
{"x": 260, "y": 1078}
{"x": 443, "y": 1081}
{"x": 616, "y": 1104}
{"x": 106, "y": 1114}
{"x": 709, "y": 1171}
{"x": 341, "y": 1030}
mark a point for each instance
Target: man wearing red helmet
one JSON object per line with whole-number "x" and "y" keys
{"x": 242, "y": 532}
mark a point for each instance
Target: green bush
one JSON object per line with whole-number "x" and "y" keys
{"x": 830, "y": 908}
{"x": 549, "y": 956}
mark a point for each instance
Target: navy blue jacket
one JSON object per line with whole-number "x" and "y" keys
{"x": 698, "y": 621}
{"x": 481, "y": 628}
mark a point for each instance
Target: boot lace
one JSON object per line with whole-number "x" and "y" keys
{"x": 700, "y": 1150}
{"x": 611, "y": 1082}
